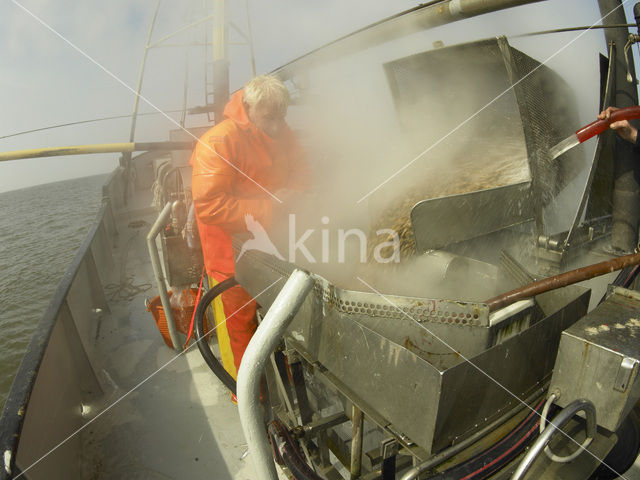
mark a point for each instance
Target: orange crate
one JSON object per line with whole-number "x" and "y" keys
{"x": 181, "y": 315}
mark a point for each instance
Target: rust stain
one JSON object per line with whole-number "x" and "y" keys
{"x": 413, "y": 348}
{"x": 586, "y": 350}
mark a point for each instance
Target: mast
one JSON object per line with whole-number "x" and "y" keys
{"x": 220, "y": 60}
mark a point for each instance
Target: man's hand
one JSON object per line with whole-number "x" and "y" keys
{"x": 623, "y": 127}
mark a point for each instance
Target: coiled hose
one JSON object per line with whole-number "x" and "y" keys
{"x": 203, "y": 344}
{"x": 496, "y": 457}
{"x": 285, "y": 448}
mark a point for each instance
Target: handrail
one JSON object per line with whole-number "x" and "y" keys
{"x": 262, "y": 344}
{"x": 126, "y": 147}
{"x": 562, "y": 418}
{"x": 157, "y": 273}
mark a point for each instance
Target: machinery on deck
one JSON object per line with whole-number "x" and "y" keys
{"x": 423, "y": 369}
{"x": 372, "y": 384}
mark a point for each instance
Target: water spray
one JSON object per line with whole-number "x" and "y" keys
{"x": 593, "y": 129}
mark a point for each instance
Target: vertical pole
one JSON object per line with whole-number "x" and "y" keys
{"x": 220, "y": 62}
{"x": 626, "y": 190}
{"x": 250, "y": 39}
{"x": 125, "y": 160}
{"x": 357, "y": 420}
{"x": 132, "y": 133}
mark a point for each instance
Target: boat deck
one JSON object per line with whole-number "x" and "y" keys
{"x": 163, "y": 414}
{"x": 123, "y": 404}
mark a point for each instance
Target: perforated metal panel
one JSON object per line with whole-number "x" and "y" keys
{"x": 394, "y": 307}
{"x": 404, "y": 359}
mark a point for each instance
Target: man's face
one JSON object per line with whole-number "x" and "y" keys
{"x": 268, "y": 119}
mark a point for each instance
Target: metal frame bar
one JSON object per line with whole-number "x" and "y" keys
{"x": 357, "y": 420}
{"x": 609, "y": 90}
{"x": 158, "y": 273}
{"x": 264, "y": 341}
{"x": 563, "y": 417}
{"x": 180, "y": 30}
{"x": 136, "y": 102}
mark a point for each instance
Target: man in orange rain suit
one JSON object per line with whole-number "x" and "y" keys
{"x": 239, "y": 165}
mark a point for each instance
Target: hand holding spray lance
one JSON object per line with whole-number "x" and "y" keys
{"x": 593, "y": 129}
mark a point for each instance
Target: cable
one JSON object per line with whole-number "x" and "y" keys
{"x": 547, "y": 450}
{"x": 285, "y": 452}
{"x": 573, "y": 29}
{"x": 205, "y": 351}
{"x": 85, "y": 121}
{"x": 496, "y": 457}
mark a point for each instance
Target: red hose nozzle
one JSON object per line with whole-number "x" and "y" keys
{"x": 599, "y": 126}
{"x": 593, "y": 129}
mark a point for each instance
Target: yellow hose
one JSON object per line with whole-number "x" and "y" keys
{"x": 94, "y": 148}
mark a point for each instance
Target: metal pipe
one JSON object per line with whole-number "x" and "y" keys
{"x": 563, "y": 417}
{"x": 562, "y": 280}
{"x": 180, "y": 30}
{"x": 185, "y": 90}
{"x": 405, "y": 23}
{"x": 94, "y": 148}
{"x": 250, "y": 39}
{"x": 441, "y": 457}
{"x": 357, "y": 419}
{"x": 547, "y": 450}
{"x": 158, "y": 273}
{"x": 136, "y": 102}
{"x": 220, "y": 60}
{"x": 262, "y": 344}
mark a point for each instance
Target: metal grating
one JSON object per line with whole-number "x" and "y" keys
{"x": 393, "y": 307}
{"x": 506, "y": 110}
{"x": 350, "y": 302}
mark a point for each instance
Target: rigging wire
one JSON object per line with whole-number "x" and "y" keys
{"x": 433, "y": 2}
{"x": 100, "y": 119}
{"x": 574, "y": 29}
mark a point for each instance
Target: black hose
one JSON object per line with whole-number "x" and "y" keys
{"x": 203, "y": 343}
{"x": 285, "y": 451}
{"x": 496, "y": 457}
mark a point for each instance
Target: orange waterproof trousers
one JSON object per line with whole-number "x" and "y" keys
{"x": 235, "y": 316}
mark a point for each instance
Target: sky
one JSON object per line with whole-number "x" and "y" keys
{"x": 85, "y": 64}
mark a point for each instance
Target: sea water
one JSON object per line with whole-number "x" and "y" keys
{"x": 41, "y": 228}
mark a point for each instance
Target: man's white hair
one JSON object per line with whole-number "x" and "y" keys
{"x": 266, "y": 90}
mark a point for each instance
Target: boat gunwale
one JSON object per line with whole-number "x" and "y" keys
{"x": 17, "y": 403}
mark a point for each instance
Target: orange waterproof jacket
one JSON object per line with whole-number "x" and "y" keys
{"x": 234, "y": 165}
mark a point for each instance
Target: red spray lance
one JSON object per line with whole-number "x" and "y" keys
{"x": 593, "y": 129}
